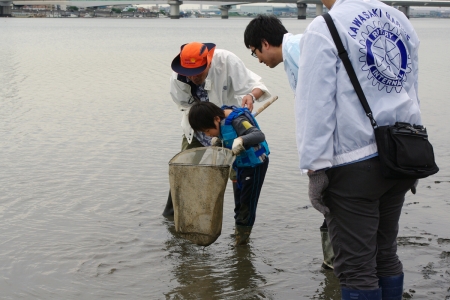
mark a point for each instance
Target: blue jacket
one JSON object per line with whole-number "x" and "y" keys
{"x": 252, "y": 156}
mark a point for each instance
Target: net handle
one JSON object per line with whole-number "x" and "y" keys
{"x": 265, "y": 105}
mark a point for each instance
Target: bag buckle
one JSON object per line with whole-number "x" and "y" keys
{"x": 372, "y": 120}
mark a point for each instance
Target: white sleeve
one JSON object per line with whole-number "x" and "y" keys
{"x": 180, "y": 92}
{"x": 243, "y": 80}
{"x": 315, "y": 101}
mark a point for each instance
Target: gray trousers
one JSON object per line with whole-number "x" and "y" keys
{"x": 363, "y": 221}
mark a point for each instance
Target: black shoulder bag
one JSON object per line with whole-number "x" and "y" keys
{"x": 404, "y": 149}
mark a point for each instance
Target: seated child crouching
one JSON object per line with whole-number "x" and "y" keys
{"x": 239, "y": 131}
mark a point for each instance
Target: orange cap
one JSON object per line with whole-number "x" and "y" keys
{"x": 193, "y": 59}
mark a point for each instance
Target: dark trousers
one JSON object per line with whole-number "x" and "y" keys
{"x": 247, "y": 191}
{"x": 363, "y": 221}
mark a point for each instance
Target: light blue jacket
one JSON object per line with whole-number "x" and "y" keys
{"x": 331, "y": 126}
{"x": 291, "y": 55}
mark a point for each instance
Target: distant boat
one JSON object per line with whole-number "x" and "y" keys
{"x": 22, "y": 15}
{"x": 87, "y": 15}
{"x": 53, "y": 15}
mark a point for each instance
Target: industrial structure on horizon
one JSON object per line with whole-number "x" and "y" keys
{"x": 298, "y": 7}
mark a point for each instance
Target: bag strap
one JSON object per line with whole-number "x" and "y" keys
{"x": 343, "y": 55}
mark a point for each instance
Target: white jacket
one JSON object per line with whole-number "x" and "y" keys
{"x": 332, "y": 128}
{"x": 228, "y": 81}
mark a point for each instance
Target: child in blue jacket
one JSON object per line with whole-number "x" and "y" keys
{"x": 238, "y": 130}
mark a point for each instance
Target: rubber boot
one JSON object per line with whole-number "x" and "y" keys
{"x": 327, "y": 249}
{"x": 392, "y": 287}
{"x": 242, "y": 234}
{"x": 168, "y": 211}
{"x": 348, "y": 294}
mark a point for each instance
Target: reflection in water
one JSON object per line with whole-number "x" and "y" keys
{"x": 244, "y": 280}
{"x": 208, "y": 273}
{"x": 329, "y": 288}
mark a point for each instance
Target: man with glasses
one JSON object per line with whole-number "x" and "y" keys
{"x": 204, "y": 73}
{"x": 270, "y": 42}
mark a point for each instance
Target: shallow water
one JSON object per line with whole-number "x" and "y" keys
{"x": 87, "y": 128}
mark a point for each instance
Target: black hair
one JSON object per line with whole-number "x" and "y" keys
{"x": 264, "y": 27}
{"x": 202, "y": 114}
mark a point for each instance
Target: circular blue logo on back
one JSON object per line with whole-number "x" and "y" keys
{"x": 386, "y": 57}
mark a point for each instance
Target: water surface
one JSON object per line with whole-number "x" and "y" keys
{"x": 87, "y": 127}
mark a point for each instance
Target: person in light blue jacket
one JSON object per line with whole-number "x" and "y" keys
{"x": 270, "y": 42}
{"x": 336, "y": 142}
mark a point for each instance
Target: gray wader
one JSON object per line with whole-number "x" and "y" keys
{"x": 327, "y": 249}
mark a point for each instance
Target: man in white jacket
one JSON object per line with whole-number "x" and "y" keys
{"x": 204, "y": 73}
{"x": 336, "y": 142}
{"x": 271, "y": 43}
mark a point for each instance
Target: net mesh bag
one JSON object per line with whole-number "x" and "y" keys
{"x": 198, "y": 179}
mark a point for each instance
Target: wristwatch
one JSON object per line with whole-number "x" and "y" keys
{"x": 253, "y": 97}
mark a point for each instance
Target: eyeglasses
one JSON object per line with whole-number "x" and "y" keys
{"x": 254, "y": 54}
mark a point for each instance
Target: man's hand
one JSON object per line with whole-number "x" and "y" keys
{"x": 247, "y": 101}
{"x": 414, "y": 187}
{"x": 318, "y": 182}
{"x": 215, "y": 141}
{"x": 238, "y": 146}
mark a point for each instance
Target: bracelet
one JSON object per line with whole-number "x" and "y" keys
{"x": 253, "y": 97}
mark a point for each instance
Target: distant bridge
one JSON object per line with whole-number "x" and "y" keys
{"x": 224, "y": 5}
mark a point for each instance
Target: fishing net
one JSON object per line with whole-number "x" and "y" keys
{"x": 198, "y": 179}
